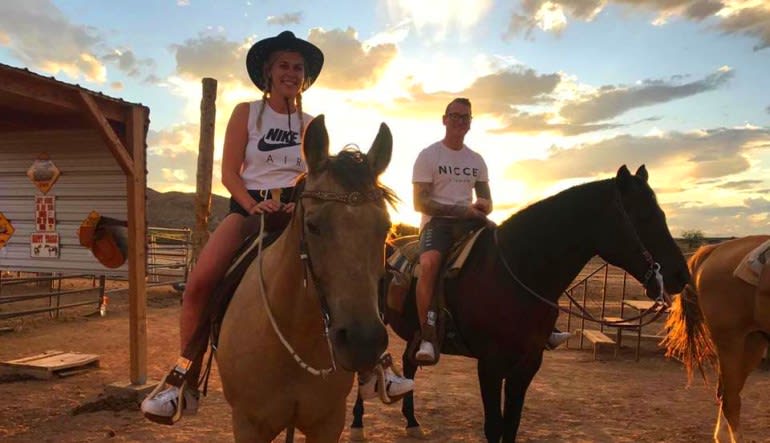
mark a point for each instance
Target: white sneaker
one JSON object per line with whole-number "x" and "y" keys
{"x": 162, "y": 407}
{"x": 557, "y": 339}
{"x": 394, "y": 385}
{"x": 426, "y": 352}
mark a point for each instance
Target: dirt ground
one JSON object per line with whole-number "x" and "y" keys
{"x": 572, "y": 399}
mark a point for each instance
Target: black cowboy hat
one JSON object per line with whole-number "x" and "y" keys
{"x": 259, "y": 53}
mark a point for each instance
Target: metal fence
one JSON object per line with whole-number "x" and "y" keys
{"x": 168, "y": 263}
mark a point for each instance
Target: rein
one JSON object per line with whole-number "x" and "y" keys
{"x": 353, "y": 198}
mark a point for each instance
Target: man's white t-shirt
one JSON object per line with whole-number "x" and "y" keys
{"x": 273, "y": 157}
{"x": 453, "y": 173}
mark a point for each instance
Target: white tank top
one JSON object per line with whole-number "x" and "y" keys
{"x": 273, "y": 157}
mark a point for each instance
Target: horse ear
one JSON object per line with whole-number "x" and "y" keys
{"x": 380, "y": 152}
{"x": 315, "y": 144}
{"x": 623, "y": 177}
{"x": 642, "y": 173}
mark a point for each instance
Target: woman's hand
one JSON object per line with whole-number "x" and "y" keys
{"x": 265, "y": 206}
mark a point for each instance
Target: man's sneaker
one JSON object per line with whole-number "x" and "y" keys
{"x": 394, "y": 385}
{"x": 425, "y": 353}
{"x": 557, "y": 339}
{"x": 162, "y": 407}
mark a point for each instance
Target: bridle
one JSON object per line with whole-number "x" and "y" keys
{"x": 354, "y": 198}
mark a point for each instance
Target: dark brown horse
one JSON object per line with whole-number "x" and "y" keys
{"x": 540, "y": 250}
{"x": 721, "y": 319}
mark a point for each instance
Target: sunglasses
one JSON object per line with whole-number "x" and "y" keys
{"x": 459, "y": 117}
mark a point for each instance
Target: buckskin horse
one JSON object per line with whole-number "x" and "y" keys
{"x": 503, "y": 301}
{"x": 321, "y": 274}
{"x": 718, "y": 319}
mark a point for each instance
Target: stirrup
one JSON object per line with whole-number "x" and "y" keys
{"x": 386, "y": 361}
{"x": 175, "y": 378}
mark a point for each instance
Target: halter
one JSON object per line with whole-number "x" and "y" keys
{"x": 653, "y": 270}
{"x": 354, "y": 198}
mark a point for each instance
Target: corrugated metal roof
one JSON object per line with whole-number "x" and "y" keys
{"x": 30, "y": 73}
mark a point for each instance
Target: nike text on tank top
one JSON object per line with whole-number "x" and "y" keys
{"x": 453, "y": 173}
{"x": 273, "y": 157}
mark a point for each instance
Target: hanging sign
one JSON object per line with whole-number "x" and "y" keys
{"x": 44, "y": 245}
{"x": 43, "y": 173}
{"x": 6, "y": 230}
{"x": 45, "y": 213}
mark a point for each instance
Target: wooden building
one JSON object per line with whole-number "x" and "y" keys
{"x": 88, "y": 152}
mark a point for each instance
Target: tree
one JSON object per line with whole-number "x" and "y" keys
{"x": 693, "y": 238}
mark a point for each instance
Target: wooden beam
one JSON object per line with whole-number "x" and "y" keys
{"x": 137, "y": 251}
{"x": 108, "y": 135}
{"x": 52, "y": 92}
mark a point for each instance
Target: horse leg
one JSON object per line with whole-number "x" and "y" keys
{"x": 753, "y": 353}
{"x": 245, "y": 430}
{"x": 732, "y": 377}
{"x": 329, "y": 428}
{"x": 491, "y": 382}
{"x": 516, "y": 385}
{"x": 407, "y": 406}
{"x": 357, "y": 427}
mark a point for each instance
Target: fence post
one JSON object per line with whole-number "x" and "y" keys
{"x": 205, "y": 162}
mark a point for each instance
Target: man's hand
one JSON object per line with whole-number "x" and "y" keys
{"x": 484, "y": 205}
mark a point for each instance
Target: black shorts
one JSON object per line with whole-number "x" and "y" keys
{"x": 287, "y": 196}
{"x": 440, "y": 233}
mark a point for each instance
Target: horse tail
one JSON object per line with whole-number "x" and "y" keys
{"x": 687, "y": 337}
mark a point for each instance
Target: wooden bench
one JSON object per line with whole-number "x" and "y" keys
{"x": 597, "y": 338}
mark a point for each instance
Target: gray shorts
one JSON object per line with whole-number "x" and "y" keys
{"x": 440, "y": 233}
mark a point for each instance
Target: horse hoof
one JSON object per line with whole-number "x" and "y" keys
{"x": 357, "y": 434}
{"x": 415, "y": 432}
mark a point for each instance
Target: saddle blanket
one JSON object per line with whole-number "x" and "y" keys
{"x": 749, "y": 268}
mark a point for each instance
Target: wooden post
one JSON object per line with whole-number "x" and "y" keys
{"x": 205, "y": 164}
{"x": 137, "y": 251}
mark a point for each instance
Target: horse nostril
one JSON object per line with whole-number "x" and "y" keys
{"x": 341, "y": 337}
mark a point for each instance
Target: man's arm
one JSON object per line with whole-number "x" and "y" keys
{"x": 423, "y": 203}
{"x": 483, "y": 197}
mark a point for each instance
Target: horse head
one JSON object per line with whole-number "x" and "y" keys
{"x": 345, "y": 223}
{"x": 662, "y": 254}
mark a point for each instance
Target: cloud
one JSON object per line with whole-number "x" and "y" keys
{"x": 289, "y": 18}
{"x": 76, "y": 50}
{"x": 349, "y": 64}
{"x": 212, "y": 56}
{"x": 526, "y": 123}
{"x": 748, "y": 217}
{"x": 490, "y": 94}
{"x": 170, "y": 153}
{"x": 439, "y": 17}
{"x": 709, "y": 154}
{"x": 740, "y": 184}
{"x": 750, "y": 18}
{"x": 610, "y": 101}
{"x": 127, "y": 62}
{"x": 64, "y": 46}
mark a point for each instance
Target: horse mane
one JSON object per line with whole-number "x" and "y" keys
{"x": 351, "y": 170}
{"x": 584, "y": 198}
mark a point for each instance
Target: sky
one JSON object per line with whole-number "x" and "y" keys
{"x": 563, "y": 91}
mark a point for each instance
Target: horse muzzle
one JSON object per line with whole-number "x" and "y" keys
{"x": 359, "y": 345}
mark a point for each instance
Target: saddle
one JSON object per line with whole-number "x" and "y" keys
{"x": 403, "y": 265}
{"x": 749, "y": 268}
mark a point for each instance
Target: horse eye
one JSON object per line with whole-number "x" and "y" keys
{"x": 313, "y": 228}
